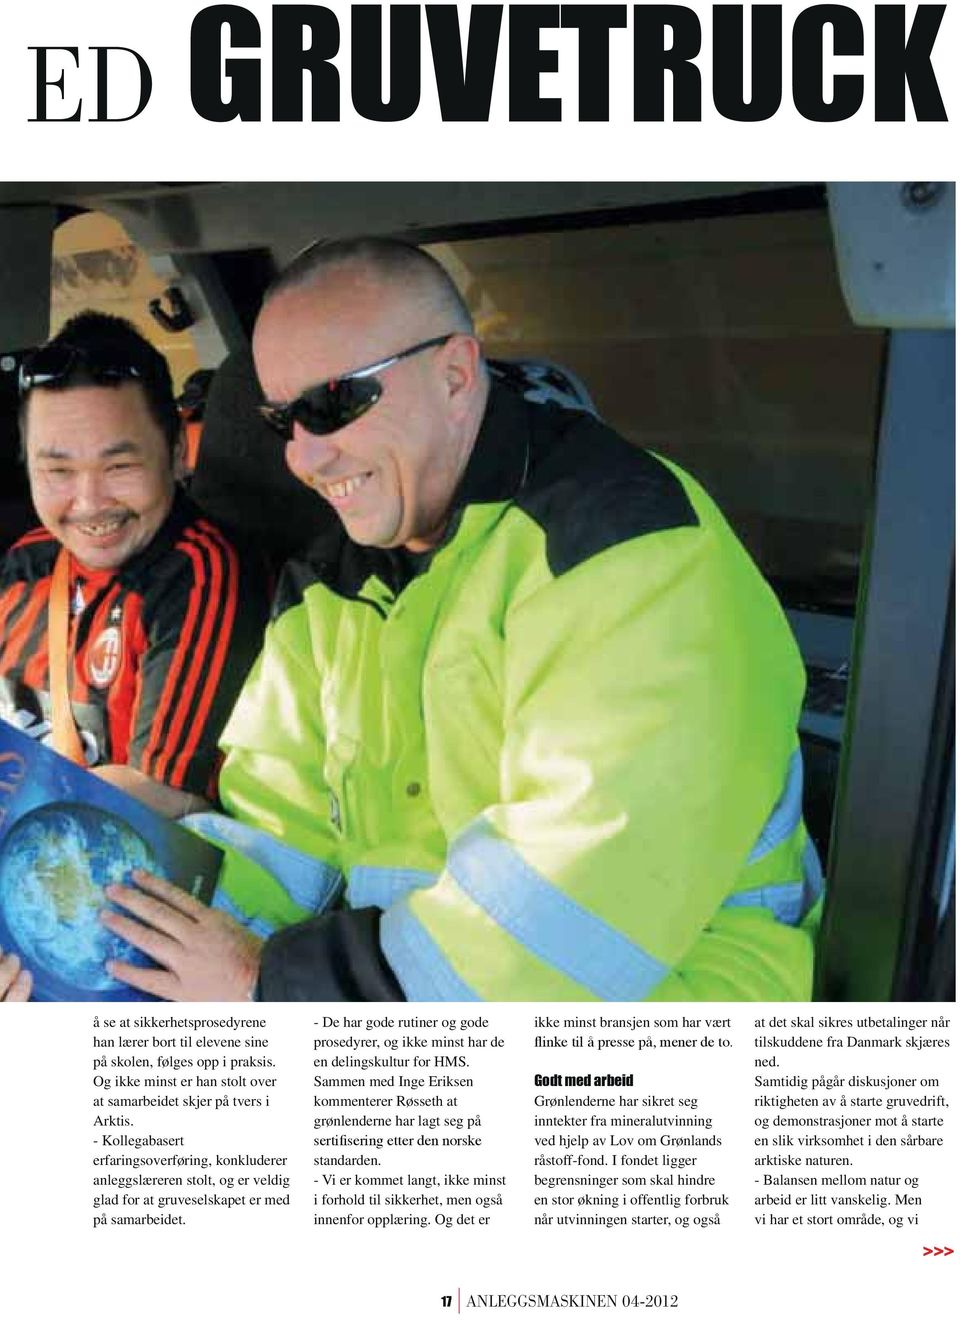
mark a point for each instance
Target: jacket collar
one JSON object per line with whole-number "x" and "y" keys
{"x": 498, "y": 462}
{"x": 494, "y": 474}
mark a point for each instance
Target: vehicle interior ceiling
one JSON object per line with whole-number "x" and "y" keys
{"x": 707, "y": 321}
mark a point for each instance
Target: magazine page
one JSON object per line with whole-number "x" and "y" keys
{"x": 478, "y": 491}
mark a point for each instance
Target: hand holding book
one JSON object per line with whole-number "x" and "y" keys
{"x": 202, "y": 955}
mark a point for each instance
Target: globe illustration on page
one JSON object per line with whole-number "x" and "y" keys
{"x": 54, "y": 864}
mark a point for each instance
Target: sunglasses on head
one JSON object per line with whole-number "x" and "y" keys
{"x": 333, "y": 404}
{"x": 55, "y": 363}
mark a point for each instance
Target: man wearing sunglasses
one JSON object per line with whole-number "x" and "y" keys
{"x": 532, "y": 700}
{"x": 161, "y": 618}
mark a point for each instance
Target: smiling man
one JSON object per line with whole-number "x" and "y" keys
{"x": 531, "y": 699}
{"x": 162, "y": 618}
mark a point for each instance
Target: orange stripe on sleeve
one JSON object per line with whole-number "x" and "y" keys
{"x": 200, "y": 655}
{"x": 139, "y": 644}
{"x": 216, "y": 668}
{"x": 20, "y": 632}
{"x": 178, "y": 660}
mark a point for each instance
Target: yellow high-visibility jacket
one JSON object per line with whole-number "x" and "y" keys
{"x": 555, "y": 760}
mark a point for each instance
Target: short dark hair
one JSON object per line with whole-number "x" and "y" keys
{"x": 390, "y": 258}
{"x": 115, "y": 338}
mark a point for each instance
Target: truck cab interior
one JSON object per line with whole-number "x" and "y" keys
{"x": 790, "y": 345}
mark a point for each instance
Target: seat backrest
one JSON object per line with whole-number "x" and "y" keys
{"x": 241, "y": 478}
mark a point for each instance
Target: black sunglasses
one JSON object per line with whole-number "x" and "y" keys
{"x": 53, "y": 364}
{"x": 333, "y": 404}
